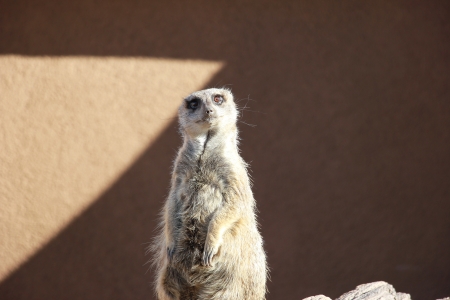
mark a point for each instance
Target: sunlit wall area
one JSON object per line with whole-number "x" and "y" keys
{"x": 70, "y": 126}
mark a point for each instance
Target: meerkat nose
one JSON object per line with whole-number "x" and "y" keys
{"x": 209, "y": 111}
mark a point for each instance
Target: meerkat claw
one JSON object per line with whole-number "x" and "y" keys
{"x": 205, "y": 259}
{"x": 208, "y": 255}
{"x": 170, "y": 252}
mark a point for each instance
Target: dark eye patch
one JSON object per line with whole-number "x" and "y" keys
{"x": 193, "y": 104}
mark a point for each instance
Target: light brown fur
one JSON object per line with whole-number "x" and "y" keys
{"x": 209, "y": 246}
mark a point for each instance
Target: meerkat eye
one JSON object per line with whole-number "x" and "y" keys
{"x": 218, "y": 99}
{"x": 193, "y": 104}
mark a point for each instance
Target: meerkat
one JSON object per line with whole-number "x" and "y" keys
{"x": 209, "y": 246}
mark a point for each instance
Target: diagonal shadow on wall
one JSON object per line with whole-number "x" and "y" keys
{"x": 96, "y": 256}
{"x": 349, "y": 156}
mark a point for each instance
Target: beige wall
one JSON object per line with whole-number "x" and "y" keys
{"x": 71, "y": 127}
{"x": 350, "y": 153}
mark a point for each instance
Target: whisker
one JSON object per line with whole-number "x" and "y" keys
{"x": 218, "y": 85}
{"x": 240, "y": 100}
{"x": 255, "y": 111}
{"x": 251, "y": 125}
{"x": 225, "y": 85}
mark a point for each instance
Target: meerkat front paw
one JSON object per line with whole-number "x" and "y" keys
{"x": 210, "y": 251}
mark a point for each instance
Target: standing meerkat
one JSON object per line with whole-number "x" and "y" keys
{"x": 209, "y": 246}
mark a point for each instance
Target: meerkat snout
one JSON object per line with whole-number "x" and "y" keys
{"x": 209, "y": 111}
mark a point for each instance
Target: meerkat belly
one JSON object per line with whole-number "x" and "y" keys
{"x": 199, "y": 205}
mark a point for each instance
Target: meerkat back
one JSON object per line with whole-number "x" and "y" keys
{"x": 209, "y": 246}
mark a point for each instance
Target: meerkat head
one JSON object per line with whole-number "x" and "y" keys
{"x": 205, "y": 110}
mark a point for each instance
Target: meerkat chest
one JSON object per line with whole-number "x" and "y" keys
{"x": 202, "y": 188}
{"x": 201, "y": 195}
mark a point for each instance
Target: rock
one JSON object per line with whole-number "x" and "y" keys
{"x": 318, "y": 297}
{"x": 379, "y": 290}
{"x": 402, "y": 296}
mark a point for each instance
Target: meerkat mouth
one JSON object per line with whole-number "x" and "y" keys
{"x": 204, "y": 121}
{"x": 207, "y": 119}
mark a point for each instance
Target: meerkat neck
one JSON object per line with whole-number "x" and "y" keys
{"x": 213, "y": 142}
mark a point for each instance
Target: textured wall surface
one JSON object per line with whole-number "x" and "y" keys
{"x": 350, "y": 155}
{"x": 71, "y": 126}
